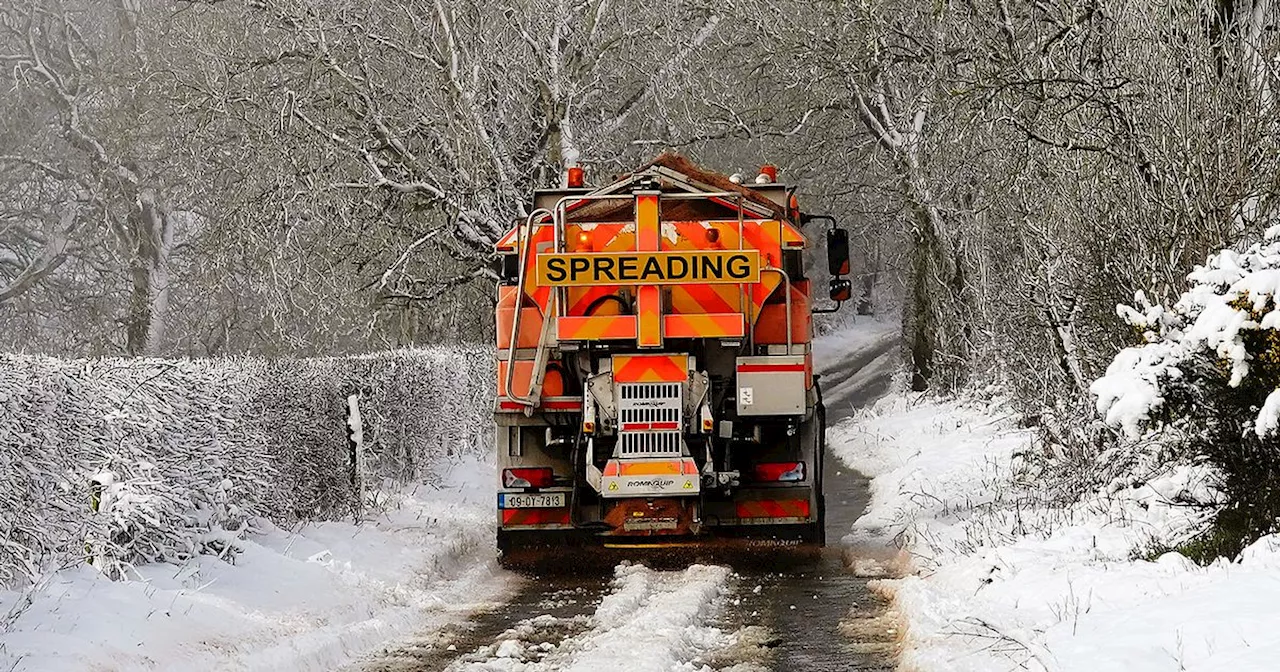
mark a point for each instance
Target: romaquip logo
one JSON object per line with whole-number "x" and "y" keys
{"x": 652, "y": 483}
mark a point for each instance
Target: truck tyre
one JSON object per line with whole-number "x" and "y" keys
{"x": 819, "y": 471}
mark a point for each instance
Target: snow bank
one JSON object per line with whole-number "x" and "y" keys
{"x": 651, "y": 621}
{"x": 313, "y": 599}
{"x": 1006, "y": 578}
{"x": 124, "y": 461}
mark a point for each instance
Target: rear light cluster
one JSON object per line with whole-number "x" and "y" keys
{"x": 785, "y": 472}
{"x": 529, "y": 477}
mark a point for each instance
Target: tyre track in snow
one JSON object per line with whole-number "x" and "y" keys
{"x": 559, "y": 610}
{"x": 650, "y": 621}
{"x": 641, "y": 620}
{"x": 797, "y": 615}
{"x": 823, "y": 615}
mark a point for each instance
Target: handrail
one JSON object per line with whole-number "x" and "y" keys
{"x": 558, "y": 220}
{"x": 538, "y": 376}
{"x": 522, "y": 259}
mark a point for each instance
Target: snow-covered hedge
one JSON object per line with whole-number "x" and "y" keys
{"x": 127, "y": 460}
{"x": 1209, "y": 370}
{"x": 1229, "y": 317}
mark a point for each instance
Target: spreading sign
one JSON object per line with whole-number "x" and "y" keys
{"x": 649, "y": 268}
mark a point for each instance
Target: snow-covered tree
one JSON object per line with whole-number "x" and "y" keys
{"x": 1209, "y": 367}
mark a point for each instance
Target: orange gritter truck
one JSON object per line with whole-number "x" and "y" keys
{"x": 655, "y": 377}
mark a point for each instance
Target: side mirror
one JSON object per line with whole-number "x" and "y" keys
{"x": 841, "y": 290}
{"x": 507, "y": 266}
{"x": 838, "y": 252}
{"x": 837, "y": 262}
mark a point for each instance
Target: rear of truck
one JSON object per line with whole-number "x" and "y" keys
{"x": 655, "y": 375}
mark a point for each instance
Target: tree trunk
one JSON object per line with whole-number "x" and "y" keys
{"x": 937, "y": 287}
{"x": 149, "y": 275}
{"x": 917, "y": 322}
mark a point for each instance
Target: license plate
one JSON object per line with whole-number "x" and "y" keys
{"x": 634, "y": 524}
{"x": 532, "y": 500}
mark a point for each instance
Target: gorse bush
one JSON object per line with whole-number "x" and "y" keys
{"x": 121, "y": 461}
{"x": 1209, "y": 368}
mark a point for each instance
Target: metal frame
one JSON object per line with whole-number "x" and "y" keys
{"x": 523, "y": 252}
{"x": 559, "y": 216}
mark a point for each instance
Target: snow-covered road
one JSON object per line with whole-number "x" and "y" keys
{"x": 650, "y": 621}
{"x": 802, "y": 614}
{"x": 799, "y": 614}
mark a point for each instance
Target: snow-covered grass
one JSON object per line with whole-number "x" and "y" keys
{"x": 1005, "y": 575}
{"x": 311, "y": 598}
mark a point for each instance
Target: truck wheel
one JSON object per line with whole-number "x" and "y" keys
{"x": 820, "y": 455}
{"x": 822, "y": 519}
{"x": 504, "y": 549}
{"x": 816, "y": 532}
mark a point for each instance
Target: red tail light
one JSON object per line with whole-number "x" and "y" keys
{"x": 530, "y": 477}
{"x": 779, "y": 471}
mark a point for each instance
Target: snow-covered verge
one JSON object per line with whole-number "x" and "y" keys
{"x": 123, "y": 461}
{"x": 1002, "y": 577}
{"x": 311, "y": 598}
{"x": 198, "y": 514}
{"x": 651, "y": 621}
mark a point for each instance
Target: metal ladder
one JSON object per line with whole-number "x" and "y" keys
{"x": 544, "y": 338}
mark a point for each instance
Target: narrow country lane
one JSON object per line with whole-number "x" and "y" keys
{"x": 795, "y": 615}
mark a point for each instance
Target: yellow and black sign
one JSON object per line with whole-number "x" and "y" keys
{"x": 649, "y": 268}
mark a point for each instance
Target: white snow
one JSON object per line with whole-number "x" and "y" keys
{"x": 1003, "y": 579}
{"x": 1233, "y": 295}
{"x": 852, "y": 337}
{"x": 1130, "y": 391}
{"x": 1269, "y": 416}
{"x": 310, "y": 599}
{"x": 852, "y": 360}
{"x": 651, "y": 621}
